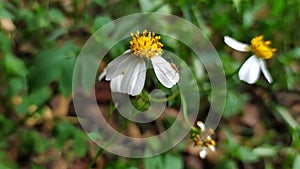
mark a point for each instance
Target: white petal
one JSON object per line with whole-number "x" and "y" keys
{"x": 201, "y": 125}
{"x": 134, "y": 77}
{"x": 118, "y": 65}
{"x": 212, "y": 148}
{"x": 265, "y": 71}
{"x": 203, "y": 153}
{"x": 250, "y": 70}
{"x": 115, "y": 84}
{"x": 164, "y": 71}
{"x": 101, "y": 76}
{"x": 236, "y": 44}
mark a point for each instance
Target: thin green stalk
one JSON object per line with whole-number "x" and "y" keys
{"x": 111, "y": 109}
{"x": 100, "y": 152}
{"x": 286, "y": 116}
{"x": 165, "y": 99}
{"x": 184, "y": 109}
{"x": 232, "y": 74}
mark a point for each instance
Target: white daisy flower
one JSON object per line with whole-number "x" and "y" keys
{"x": 261, "y": 50}
{"x": 202, "y": 138}
{"x": 127, "y": 72}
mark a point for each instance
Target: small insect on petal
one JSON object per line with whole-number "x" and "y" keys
{"x": 164, "y": 72}
{"x": 174, "y": 67}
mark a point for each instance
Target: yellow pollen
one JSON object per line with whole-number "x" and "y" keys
{"x": 146, "y": 45}
{"x": 262, "y": 48}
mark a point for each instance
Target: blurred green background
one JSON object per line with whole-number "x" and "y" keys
{"x": 39, "y": 43}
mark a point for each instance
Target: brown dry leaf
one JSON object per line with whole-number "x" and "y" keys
{"x": 171, "y": 112}
{"x": 101, "y": 67}
{"x": 259, "y": 130}
{"x": 148, "y": 133}
{"x": 60, "y": 105}
{"x": 250, "y": 115}
{"x": 67, "y": 5}
{"x": 79, "y": 164}
{"x": 193, "y": 150}
{"x": 296, "y": 109}
{"x": 263, "y": 13}
{"x": 13, "y": 150}
{"x": 104, "y": 109}
{"x": 288, "y": 99}
{"x": 7, "y": 24}
{"x": 102, "y": 90}
{"x": 48, "y": 157}
{"x": 67, "y": 23}
{"x": 26, "y": 47}
{"x": 16, "y": 100}
{"x": 294, "y": 66}
{"x": 133, "y": 130}
{"x": 60, "y": 163}
{"x": 194, "y": 162}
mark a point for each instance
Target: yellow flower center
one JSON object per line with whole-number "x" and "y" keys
{"x": 262, "y": 48}
{"x": 146, "y": 45}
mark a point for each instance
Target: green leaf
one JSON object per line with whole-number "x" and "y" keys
{"x": 95, "y": 136}
{"x": 65, "y": 80}
{"x": 155, "y": 162}
{"x": 16, "y": 85}
{"x": 266, "y": 151}
{"x": 56, "y": 15}
{"x": 63, "y": 131}
{"x": 234, "y": 103}
{"x": 35, "y": 166}
{"x": 236, "y": 4}
{"x": 53, "y": 65}
{"x": 240, "y": 152}
{"x": 248, "y": 18}
{"x": 33, "y": 142}
{"x": 154, "y": 6}
{"x": 40, "y": 96}
{"x": 5, "y": 14}
{"x": 246, "y": 154}
{"x": 226, "y": 164}
{"x": 173, "y": 162}
{"x": 7, "y": 127}
{"x": 79, "y": 143}
{"x": 296, "y": 164}
{"x": 15, "y": 66}
{"x": 278, "y": 7}
{"x": 100, "y": 21}
{"x": 6, "y": 163}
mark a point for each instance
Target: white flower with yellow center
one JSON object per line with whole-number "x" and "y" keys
{"x": 128, "y": 71}
{"x": 202, "y": 138}
{"x": 261, "y": 50}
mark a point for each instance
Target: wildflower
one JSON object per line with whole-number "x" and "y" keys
{"x": 261, "y": 50}
{"x": 202, "y": 138}
{"x": 128, "y": 71}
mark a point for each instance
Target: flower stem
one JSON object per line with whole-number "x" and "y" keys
{"x": 184, "y": 109}
{"x": 100, "y": 152}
